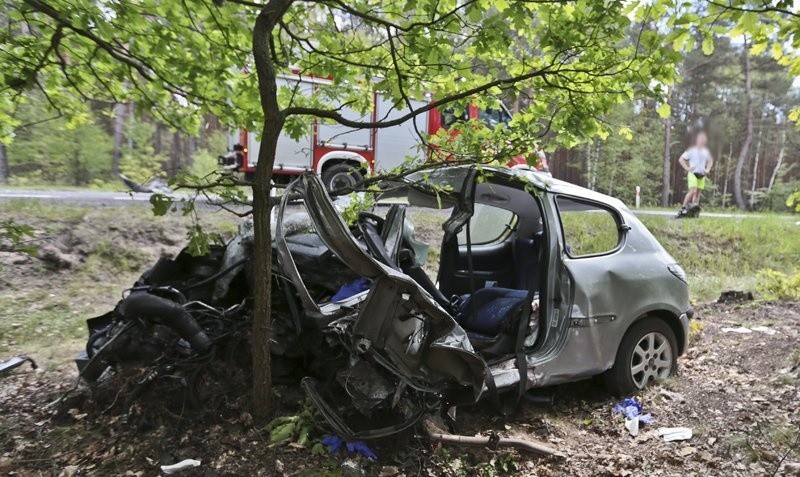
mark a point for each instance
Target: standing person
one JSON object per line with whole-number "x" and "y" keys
{"x": 697, "y": 162}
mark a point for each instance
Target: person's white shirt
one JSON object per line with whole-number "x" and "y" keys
{"x": 697, "y": 158}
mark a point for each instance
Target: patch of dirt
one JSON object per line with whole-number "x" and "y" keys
{"x": 737, "y": 391}
{"x": 64, "y": 245}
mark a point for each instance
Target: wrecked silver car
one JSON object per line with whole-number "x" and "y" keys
{"x": 539, "y": 282}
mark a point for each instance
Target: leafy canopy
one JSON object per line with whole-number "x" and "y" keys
{"x": 180, "y": 59}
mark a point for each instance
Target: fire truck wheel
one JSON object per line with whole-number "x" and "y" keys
{"x": 341, "y": 177}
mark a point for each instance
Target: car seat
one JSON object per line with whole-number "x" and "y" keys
{"x": 491, "y": 317}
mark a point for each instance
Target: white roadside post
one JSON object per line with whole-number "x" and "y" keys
{"x": 638, "y": 196}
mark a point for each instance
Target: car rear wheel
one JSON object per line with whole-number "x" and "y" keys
{"x": 648, "y": 353}
{"x": 341, "y": 177}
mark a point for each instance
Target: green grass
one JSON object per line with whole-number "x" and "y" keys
{"x": 726, "y": 253}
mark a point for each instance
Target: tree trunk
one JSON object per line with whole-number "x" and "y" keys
{"x": 755, "y": 169}
{"x": 780, "y": 160}
{"x": 595, "y": 163}
{"x": 157, "y": 146}
{"x": 748, "y": 135}
{"x": 717, "y": 157}
{"x": 120, "y": 110}
{"x": 189, "y": 148}
{"x": 175, "y": 154}
{"x": 727, "y": 173}
{"x": 667, "y": 165}
{"x": 262, "y": 205}
{"x": 588, "y": 172}
{"x": 4, "y": 173}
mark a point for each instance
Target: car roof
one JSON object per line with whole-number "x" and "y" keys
{"x": 557, "y": 186}
{"x": 452, "y": 177}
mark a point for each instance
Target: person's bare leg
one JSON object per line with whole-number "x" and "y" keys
{"x": 697, "y": 197}
{"x": 687, "y": 201}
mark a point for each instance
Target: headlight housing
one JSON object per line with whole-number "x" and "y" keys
{"x": 678, "y": 271}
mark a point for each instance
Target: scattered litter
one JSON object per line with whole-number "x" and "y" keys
{"x": 744, "y": 330}
{"x": 632, "y": 425}
{"x": 632, "y": 409}
{"x": 764, "y": 329}
{"x": 740, "y": 329}
{"x": 182, "y": 465}
{"x": 674, "y": 433}
{"x": 334, "y": 444}
{"x": 14, "y": 362}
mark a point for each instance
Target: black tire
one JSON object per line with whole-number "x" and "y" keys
{"x": 621, "y": 380}
{"x": 341, "y": 177}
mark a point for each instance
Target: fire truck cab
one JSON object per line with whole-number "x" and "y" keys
{"x": 342, "y": 156}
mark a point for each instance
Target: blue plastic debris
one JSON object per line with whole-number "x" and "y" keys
{"x": 334, "y": 444}
{"x": 350, "y": 289}
{"x": 361, "y": 448}
{"x": 632, "y": 408}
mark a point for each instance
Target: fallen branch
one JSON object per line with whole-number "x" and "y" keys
{"x": 493, "y": 441}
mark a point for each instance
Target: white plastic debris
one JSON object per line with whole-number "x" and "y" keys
{"x": 632, "y": 425}
{"x": 182, "y": 465}
{"x": 764, "y": 329}
{"x": 740, "y": 329}
{"x": 670, "y": 434}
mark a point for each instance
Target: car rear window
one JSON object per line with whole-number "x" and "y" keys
{"x": 588, "y": 228}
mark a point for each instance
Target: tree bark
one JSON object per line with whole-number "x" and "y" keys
{"x": 748, "y": 135}
{"x": 120, "y": 110}
{"x": 262, "y": 205}
{"x": 727, "y": 174}
{"x": 780, "y": 160}
{"x": 4, "y": 172}
{"x": 157, "y": 146}
{"x": 189, "y": 148}
{"x": 667, "y": 165}
{"x": 755, "y": 170}
{"x": 175, "y": 154}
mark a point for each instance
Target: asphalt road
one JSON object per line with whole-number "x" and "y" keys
{"x": 124, "y": 199}
{"x": 78, "y": 197}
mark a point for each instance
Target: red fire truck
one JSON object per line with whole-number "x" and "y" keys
{"x": 342, "y": 155}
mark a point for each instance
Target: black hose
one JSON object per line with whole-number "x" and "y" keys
{"x": 166, "y": 312}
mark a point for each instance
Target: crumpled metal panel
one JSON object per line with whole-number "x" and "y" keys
{"x": 239, "y": 248}
{"x": 395, "y": 302}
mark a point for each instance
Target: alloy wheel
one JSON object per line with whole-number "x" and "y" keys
{"x": 651, "y": 360}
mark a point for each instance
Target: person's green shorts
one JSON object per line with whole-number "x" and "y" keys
{"x": 694, "y": 182}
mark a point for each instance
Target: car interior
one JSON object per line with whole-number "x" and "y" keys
{"x": 490, "y": 267}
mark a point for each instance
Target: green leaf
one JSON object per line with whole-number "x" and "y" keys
{"x": 199, "y": 241}
{"x": 664, "y": 110}
{"x": 161, "y": 203}
{"x": 777, "y": 51}
{"x": 708, "y": 44}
